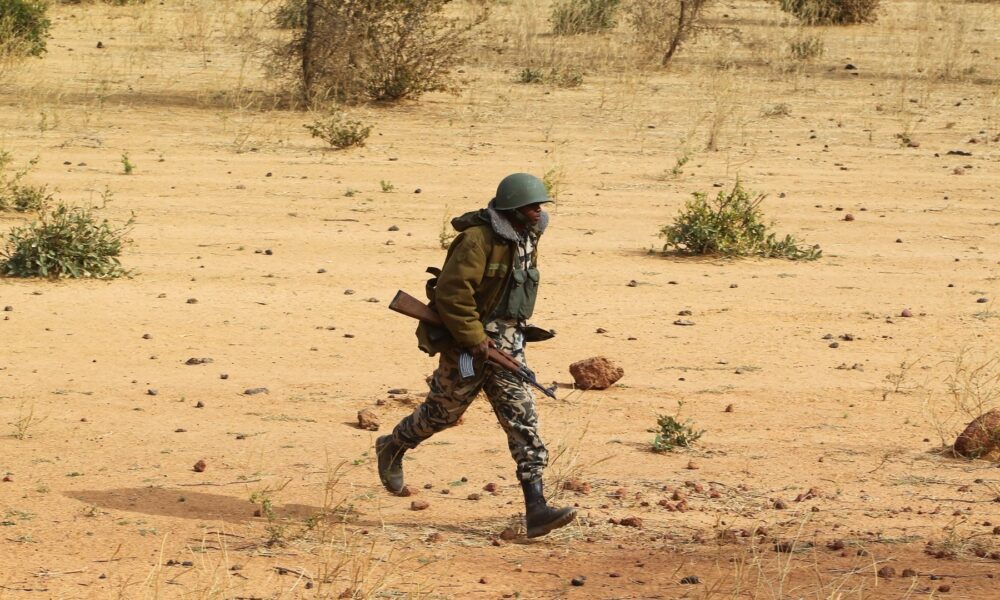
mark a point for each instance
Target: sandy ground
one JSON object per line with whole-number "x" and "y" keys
{"x": 240, "y": 210}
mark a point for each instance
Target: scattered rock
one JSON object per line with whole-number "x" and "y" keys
{"x": 906, "y": 313}
{"x": 223, "y": 375}
{"x": 393, "y": 228}
{"x": 192, "y": 301}
{"x": 633, "y": 283}
{"x": 490, "y": 487}
{"x": 597, "y": 373}
{"x": 348, "y": 292}
{"x": 692, "y": 466}
{"x": 785, "y": 547}
{"x": 473, "y": 496}
{"x": 691, "y": 580}
{"x": 367, "y": 420}
{"x": 887, "y": 572}
{"x": 576, "y": 485}
{"x": 944, "y": 589}
{"x": 578, "y": 581}
{"x": 199, "y": 404}
{"x": 152, "y": 392}
{"x": 848, "y": 217}
{"x": 419, "y": 505}
{"x": 198, "y": 361}
{"x": 780, "y": 504}
{"x": 684, "y": 322}
{"x": 200, "y": 466}
{"x": 729, "y": 408}
{"x": 982, "y": 300}
{"x": 255, "y": 391}
{"x": 909, "y": 573}
{"x": 407, "y": 491}
{"x": 981, "y": 437}
{"x": 600, "y": 330}
{"x": 8, "y": 308}
{"x": 508, "y": 534}
{"x": 631, "y": 522}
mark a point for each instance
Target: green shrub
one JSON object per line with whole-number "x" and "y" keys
{"x": 672, "y": 433}
{"x": 23, "y": 27}
{"x": 570, "y": 17}
{"x": 565, "y": 77}
{"x": 732, "y": 225}
{"x": 832, "y": 12}
{"x": 18, "y": 196}
{"x": 339, "y": 131}
{"x": 66, "y": 241}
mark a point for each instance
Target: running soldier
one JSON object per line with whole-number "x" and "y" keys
{"x": 484, "y": 294}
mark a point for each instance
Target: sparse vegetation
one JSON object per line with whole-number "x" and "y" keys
{"x": 571, "y": 17}
{"x": 387, "y": 186}
{"x": 18, "y": 196}
{"x": 554, "y": 179}
{"x": 66, "y": 241}
{"x": 339, "y": 131}
{"x": 806, "y": 48}
{"x": 291, "y": 14}
{"x": 832, "y": 12}
{"x": 356, "y": 51}
{"x": 733, "y": 226}
{"x": 24, "y": 27}
{"x": 447, "y": 233}
{"x": 662, "y": 26}
{"x": 127, "y": 165}
{"x": 671, "y": 433}
{"x": 25, "y": 421}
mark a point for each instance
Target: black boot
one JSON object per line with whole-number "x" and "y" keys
{"x": 390, "y": 463}
{"x": 539, "y": 517}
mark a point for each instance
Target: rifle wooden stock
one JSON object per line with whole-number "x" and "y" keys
{"x": 406, "y": 304}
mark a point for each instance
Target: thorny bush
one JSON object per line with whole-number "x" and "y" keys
{"x": 832, "y": 12}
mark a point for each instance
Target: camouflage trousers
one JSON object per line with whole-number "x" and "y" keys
{"x": 449, "y": 396}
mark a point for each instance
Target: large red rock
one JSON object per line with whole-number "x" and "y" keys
{"x": 981, "y": 438}
{"x": 597, "y": 373}
{"x": 368, "y": 420}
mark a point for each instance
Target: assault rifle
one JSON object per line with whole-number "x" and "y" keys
{"x": 406, "y": 304}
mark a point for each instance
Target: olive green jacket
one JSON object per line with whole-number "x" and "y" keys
{"x": 474, "y": 279}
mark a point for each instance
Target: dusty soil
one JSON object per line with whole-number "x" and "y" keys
{"x": 240, "y": 209}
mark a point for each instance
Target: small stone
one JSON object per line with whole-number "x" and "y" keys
{"x": 981, "y": 437}
{"x": 684, "y": 322}
{"x": 7, "y": 478}
{"x": 223, "y": 375}
{"x": 269, "y": 252}
{"x": 692, "y": 466}
{"x": 600, "y": 330}
{"x": 198, "y": 361}
{"x": 899, "y": 240}
{"x": 508, "y": 534}
{"x": 192, "y": 301}
{"x": 199, "y": 404}
{"x": 780, "y": 504}
{"x": 729, "y": 408}
{"x": 691, "y": 580}
{"x": 631, "y": 522}
{"x": 419, "y": 505}
{"x": 180, "y": 430}
{"x": 367, "y": 420}
{"x": 733, "y": 285}
{"x": 578, "y": 581}
{"x": 417, "y": 191}
{"x": 835, "y": 344}
{"x": 906, "y": 313}
{"x": 785, "y": 547}
{"x": 887, "y": 572}
{"x": 944, "y": 589}
{"x": 348, "y": 292}
{"x": 200, "y": 466}
{"x": 398, "y": 391}
{"x": 482, "y": 580}
{"x": 147, "y": 336}
{"x": 8, "y": 308}
{"x": 407, "y": 491}
{"x": 909, "y": 573}
{"x": 633, "y": 283}
{"x": 848, "y": 217}
{"x": 255, "y": 391}
{"x": 393, "y": 228}
{"x": 473, "y": 496}
{"x": 490, "y": 487}
{"x": 321, "y": 270}
{"x": 982, "y": 300}
{"x": 152, "y": 392}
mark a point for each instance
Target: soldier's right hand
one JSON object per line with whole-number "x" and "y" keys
{"x": 479, "y": 351}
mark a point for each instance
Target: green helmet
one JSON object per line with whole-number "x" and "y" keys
{"x": 520, "y": 189}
